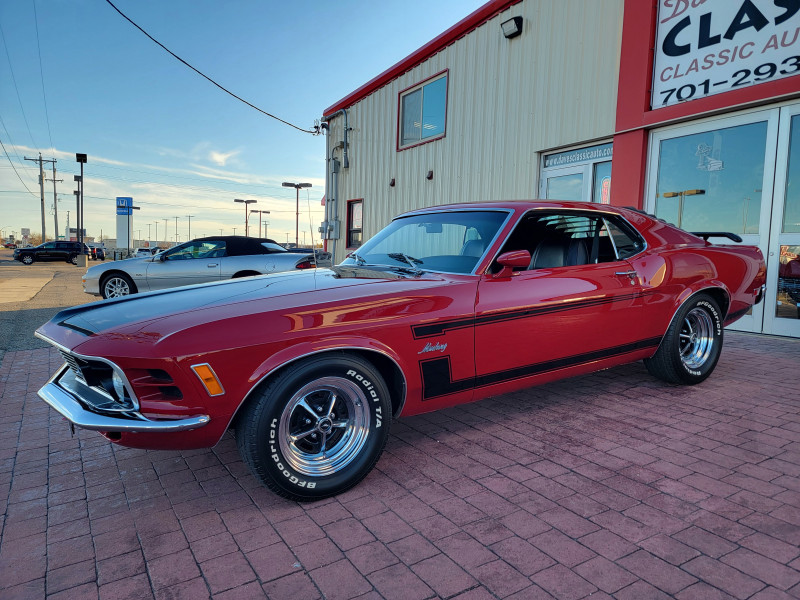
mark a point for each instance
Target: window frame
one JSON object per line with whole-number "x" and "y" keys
{"x": 349, "y": 229}
{"x": 419, "y": 85}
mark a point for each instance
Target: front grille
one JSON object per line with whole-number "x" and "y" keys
{"x": 97, "y": 375}
{"x": 74, "y": 364}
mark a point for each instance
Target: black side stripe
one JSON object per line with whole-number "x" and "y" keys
{"x": 437, "y": 374}
{"x": 443, "y": 326}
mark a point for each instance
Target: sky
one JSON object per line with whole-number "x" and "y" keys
{"x": 76, "y": 77}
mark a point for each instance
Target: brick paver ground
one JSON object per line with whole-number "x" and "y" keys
{"x": 609, "y": 485}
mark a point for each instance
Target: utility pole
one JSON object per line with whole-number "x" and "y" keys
{"x": 40, "y": 160}
{"x": 156, "y": 233}
{"x": 190, "y": 226}
{"x": 176, "y": 231}
{"x": 55, "y": 195}
{"x": 166, "y": 235}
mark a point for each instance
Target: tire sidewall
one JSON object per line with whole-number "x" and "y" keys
{"x": 270, "y": 462}
{"x": 27, "y": 259}
{"x": 707, "y": 304}
{"x": 108, "y": 278}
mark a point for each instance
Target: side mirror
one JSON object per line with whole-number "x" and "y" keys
{"x": 519, "y": 259}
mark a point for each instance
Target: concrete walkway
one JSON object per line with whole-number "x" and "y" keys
{"x": 609, "y": 485}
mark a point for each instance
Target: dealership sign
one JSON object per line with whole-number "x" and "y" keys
{"x": 706, "y": 47}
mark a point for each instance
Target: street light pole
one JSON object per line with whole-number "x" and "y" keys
{"x": 260, "y": 212}
{"x": 190, "y": 226}
{"x": 245, "y": 202}
{"x": 297, "y": 187}
{"x": 81, "y": 158}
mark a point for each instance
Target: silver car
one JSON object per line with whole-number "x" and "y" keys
{"x": 198, "y": 261}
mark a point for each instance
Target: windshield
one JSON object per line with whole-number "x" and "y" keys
{"x": 448, "y": 242}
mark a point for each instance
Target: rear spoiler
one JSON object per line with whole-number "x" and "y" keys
{"x": 726, "y": 234}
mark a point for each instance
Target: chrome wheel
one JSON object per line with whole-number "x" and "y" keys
{"x": 324, "y": 426}
{"x": 696, "y": 338}
{"x": 116, "y": 287}
{"x": 27, "y": 259}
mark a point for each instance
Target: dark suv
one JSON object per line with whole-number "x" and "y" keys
{"x": 67, "y": 251}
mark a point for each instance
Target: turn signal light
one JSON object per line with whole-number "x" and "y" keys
{"x": 209, "y": 379}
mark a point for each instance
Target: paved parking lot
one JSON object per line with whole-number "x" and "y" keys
{"x": 610, "y": 485}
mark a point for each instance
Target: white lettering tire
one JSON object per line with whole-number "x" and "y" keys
{"x": 316, "y": 429}
{"x": 691, "y": 347}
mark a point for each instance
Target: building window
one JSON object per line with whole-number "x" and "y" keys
{"x": 354, "y": 208}
{"x": 712, "y": 180}
{"x": 582, "y": 174}
{"x": 423, "y": 112}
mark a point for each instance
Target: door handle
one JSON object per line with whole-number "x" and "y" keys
{"x": 211, "y": 265}
{"x": 628, "y": 273}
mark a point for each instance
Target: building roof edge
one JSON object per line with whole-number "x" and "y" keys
{"x": 467, "y": 24}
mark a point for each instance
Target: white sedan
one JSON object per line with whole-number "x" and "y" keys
{"x": 198, "y": 261}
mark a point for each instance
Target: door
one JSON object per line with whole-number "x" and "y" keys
{"x": 565, "y": 311}
{"x": 564, "y": 184}
{"x": 187, "y": 264}
{"x": 782, "y": 300}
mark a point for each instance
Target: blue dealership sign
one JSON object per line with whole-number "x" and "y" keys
{"x": 124, "y": 205}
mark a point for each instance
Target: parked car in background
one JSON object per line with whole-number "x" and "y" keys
{"x": 67, "y": 251}
{"x": 197, "y": 261}
{"x": 445, "y": 305}
{"x": 145, "y": 252}
{"x": 9, "y": 245}
{"x": 96, "y": 251}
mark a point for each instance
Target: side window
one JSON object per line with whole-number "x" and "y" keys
{"x": 423, "y": 112}
{"x": 565, "y": 239}
{"x": 354, "y": 223}
{"x": 627, "y": 242}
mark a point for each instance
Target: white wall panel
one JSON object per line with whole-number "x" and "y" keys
{"x": 508, "y": 100}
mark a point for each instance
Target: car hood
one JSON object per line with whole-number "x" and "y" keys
{"x": 155, "y": 315}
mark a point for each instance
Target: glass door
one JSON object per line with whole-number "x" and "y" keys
{"x": 717, "y": 175}
{"x": 564, "y": 184}
{"x": 782, "y": 300}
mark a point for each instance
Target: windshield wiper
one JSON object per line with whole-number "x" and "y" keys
{"x": 410, "y": 260}
{"x": 405, "y": 258}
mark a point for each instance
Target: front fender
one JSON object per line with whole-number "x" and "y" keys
{"x": 288, "y": 356}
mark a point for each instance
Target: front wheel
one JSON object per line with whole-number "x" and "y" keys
{"x": 691, "y": 347}
{"x": 317, "y": 429}
{"x": 27, "y": 259}
{"x": 117, "y": 286}
{"x": 73, "y": 259}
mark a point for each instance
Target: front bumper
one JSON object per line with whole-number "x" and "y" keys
{"x": 73, "y": 400}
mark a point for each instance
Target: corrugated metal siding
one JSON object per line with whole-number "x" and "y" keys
{"x": 508, "y": 100}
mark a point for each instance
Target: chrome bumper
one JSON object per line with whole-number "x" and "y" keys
{"x": 69, "y": 405}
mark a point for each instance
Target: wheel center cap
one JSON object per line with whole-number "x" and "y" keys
{"x": 694, "y": 338}
{"x": 325, "y": 425}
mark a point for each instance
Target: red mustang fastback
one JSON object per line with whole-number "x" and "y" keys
{"x": 445, "y": 305}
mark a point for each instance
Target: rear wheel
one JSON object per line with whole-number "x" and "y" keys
{"x": 73, "y": 259}
{"x": 27, "y": 259}
{"x": 691, "y": 347}
{"x": 317, "y": 429}
{"x": 117, "y": 285}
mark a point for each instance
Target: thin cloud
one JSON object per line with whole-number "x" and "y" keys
{"x": 221, "y": 158}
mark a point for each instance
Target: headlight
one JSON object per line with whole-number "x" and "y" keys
{"x": 119, "y": 385}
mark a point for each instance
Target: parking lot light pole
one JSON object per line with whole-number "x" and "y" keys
{"x": 260, "y": 212}
{"x": 297, "y": 187}
{"x": 130, "y": 226}
{"x": 81, "y": 158}
{"x": 246, "y": 202}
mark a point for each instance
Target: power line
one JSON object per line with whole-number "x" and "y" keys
{"x": 41, "y": 73}
{"x": 227, "y": 91}
{"x": 16, "y": 88}
{"x": 15, "y": 169}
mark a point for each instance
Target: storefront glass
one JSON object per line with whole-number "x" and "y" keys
{"x": 565, "y": 187}
{"x": 788, "y": 303}
{"x": 791, "y": 207}
{"x": 711, "y": 181}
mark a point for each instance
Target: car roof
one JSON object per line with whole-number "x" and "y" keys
{"x": 239, "y": 245}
